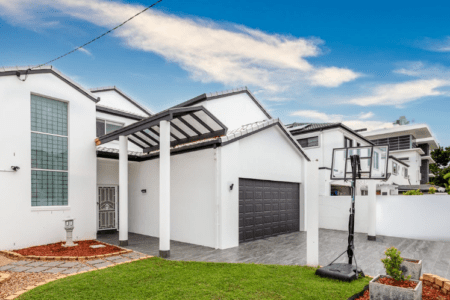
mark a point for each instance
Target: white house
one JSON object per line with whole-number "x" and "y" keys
{"x": 410, "y": 144}
{"x": 216, "y": 170}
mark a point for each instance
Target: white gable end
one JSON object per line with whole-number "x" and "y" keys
{"x": 112, "y": 99}
{"x": 234, "y": 110}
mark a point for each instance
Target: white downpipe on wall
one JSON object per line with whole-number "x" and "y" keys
{"x": 164, "y": 189}
{"x": 312, "y": 225}
{"x": 123, "y": 190}
{"x": 372, "y": 209}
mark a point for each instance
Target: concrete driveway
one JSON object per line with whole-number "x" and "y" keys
{"x": 290, "y": 249}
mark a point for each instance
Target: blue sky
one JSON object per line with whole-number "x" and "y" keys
{"x": 362, "y": 63}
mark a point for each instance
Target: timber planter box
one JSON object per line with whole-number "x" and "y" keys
{"x": 379, "y": 291}
{"x": 411, "y": 267}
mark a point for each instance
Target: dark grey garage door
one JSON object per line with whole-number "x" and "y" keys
{"x": 267, "y": 208}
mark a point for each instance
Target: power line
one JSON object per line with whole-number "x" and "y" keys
{"x": 100, "y": 36}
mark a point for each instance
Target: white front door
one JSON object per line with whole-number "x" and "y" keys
{"x": 107, "y": 207}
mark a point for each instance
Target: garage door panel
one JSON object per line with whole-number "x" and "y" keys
{"x": 267, "y": 208}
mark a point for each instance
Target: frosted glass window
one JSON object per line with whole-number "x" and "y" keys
{"x": 49, "y": 188}
{"x": 48, "y": 116}
{"x": 49, "y": 152}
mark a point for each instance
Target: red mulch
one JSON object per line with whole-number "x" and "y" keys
{"x": 398, "y": 283}
{"x": 82, "y": 249}
{"x": 428, "y": 293}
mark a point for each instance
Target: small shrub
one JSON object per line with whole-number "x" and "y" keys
{"x": 432, "y": 190}
{"x": 413, "y": 193}
{"x": 392, "y": 264}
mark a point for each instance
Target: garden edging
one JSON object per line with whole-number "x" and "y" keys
{"x": 15, "y": 255}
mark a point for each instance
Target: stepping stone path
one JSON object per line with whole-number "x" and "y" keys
{"x": 68, "y": 267}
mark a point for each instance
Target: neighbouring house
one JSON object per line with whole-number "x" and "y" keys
{"x": 318, "y": 141}
{"x": 217, "y": 170}
{"x": 411, "y": 144}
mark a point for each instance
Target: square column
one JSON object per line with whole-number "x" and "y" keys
{"x": 312, "y": 211}
{"x": 123, "y": 191}
{"x": 164, "y": 189}
{"x": 372, "y": 210}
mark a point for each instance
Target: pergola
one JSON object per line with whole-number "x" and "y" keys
{"x": 161, "y": 131}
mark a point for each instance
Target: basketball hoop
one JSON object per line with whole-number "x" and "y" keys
{"x": 368, "y": 162}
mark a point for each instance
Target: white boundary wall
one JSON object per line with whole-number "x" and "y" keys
{"x": 424, "y": 217}
{"x": 334, "y": 212}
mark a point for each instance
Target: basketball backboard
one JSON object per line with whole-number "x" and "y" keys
{"x": 374, "y": 162}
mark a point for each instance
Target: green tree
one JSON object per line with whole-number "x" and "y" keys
{"x": 442, "y": 158}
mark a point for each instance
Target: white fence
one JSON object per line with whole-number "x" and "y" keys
{"x": 424, "y": 217}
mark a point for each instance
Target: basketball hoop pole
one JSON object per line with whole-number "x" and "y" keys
{"x": 356, "y": 170}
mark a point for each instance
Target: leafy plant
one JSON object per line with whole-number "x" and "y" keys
{"x": 413, "y": 193}
{"x": 392, "y": 264}
{"x": 447, "y": 185}
{"x": 432, "y": 190}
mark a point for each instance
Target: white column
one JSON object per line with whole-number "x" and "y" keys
{"x": 312, "y": 210}
{"x": 372, "y": 210}
{"x": 123, "y": 191}
{"x": 164, "y": 189}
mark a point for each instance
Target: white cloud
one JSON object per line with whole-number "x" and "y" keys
{"x": 401, "y": 93}
{"x": 317, "y": 116}
{"x": 435, "y": 45}
{"x": 333, "y": 77}
{"x": 354, "y": 122}
{"x": 235, "y": 55}
{"x": 85, "y": 51}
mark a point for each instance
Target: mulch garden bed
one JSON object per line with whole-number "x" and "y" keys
{"x": 428, "y": 292}
{"x": 82, "y": 249}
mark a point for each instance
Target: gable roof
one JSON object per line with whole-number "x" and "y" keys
{"x": 209, "y": 142}
{"x": 301, "y": 128}
{"x": 23, "y": 72}
{"x": 217, "y": 95}
{"x": 120, "y": 92}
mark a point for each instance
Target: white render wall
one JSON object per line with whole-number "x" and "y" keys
{"x": 417, "y": 217}
{"x": 334, "y": 212}
{"x": 235, "y": 110}
{"x": 21, "y": 224}
{"x": 192, "y": 198}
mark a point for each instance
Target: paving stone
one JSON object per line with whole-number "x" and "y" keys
{"x": 105, "y": 264}
{"x": 37, "y": 270}
{"x": 7, "y": 267}
{"x": 94, "y": 262}
{"x": 123, "y": 259}
{"x": 19, "y": 269}
{"x": 55, "y": 270}
{"x": 85, "y": 269}
{"x": 111, "y": 258}
{"x": 23, "y": 262}
{"x": 52, "y": 264}
{"x": 70, "y": 265}
{"x": 70, "y": 271}
{"x": 36, "y": 264}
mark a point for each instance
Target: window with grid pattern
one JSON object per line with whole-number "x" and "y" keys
{"x": 49, "y": 152}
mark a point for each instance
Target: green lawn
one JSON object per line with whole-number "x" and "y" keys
{"x": 156, "y": 278}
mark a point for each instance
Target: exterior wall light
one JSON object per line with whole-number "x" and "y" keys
{"x": 144, "y": 191}
{"x": 68, "y": 226}
{"x": 231, "y": 186}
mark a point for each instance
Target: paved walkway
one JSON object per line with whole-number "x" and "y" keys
{"x": 67, "y": 267}
{"x": 290, "y": 249}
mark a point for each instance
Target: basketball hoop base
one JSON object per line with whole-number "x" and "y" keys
{"x": 339, "y": 271}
